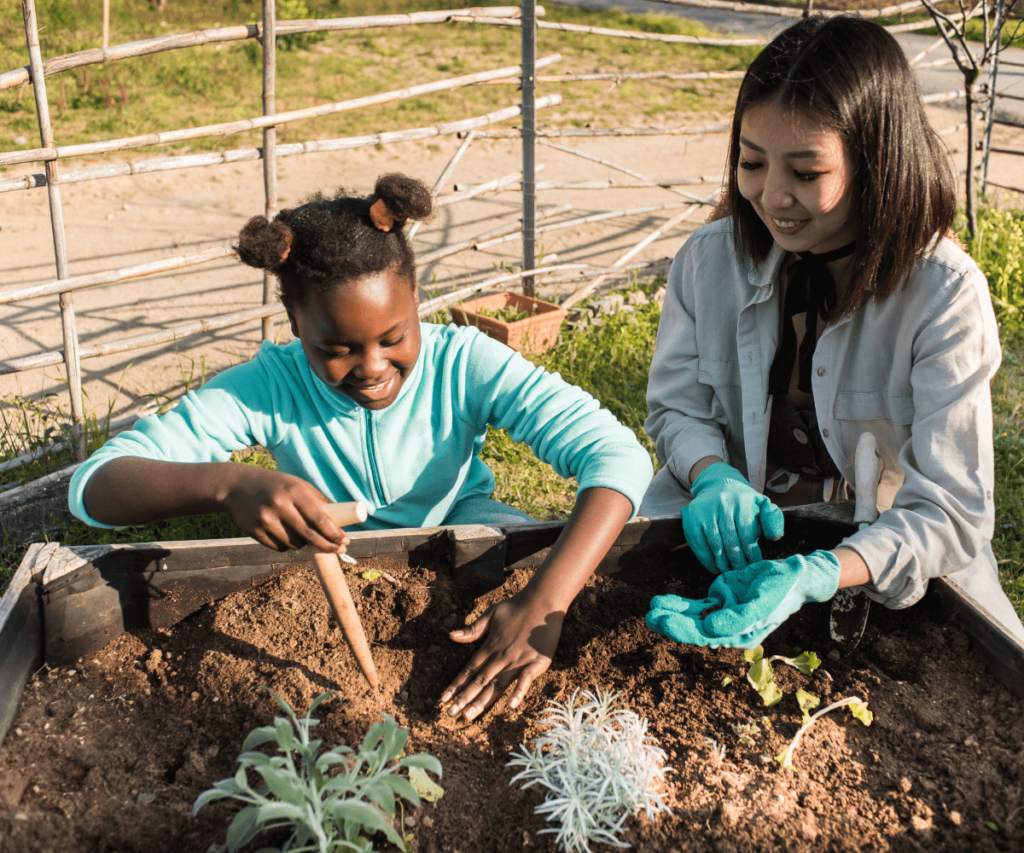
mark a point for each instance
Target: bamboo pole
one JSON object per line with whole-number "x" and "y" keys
{"x": 953, "y": 129}
{"x": 498, "y": 231}
{"x": 148, "y": 339}
{"x": 497, "y": 185}
{"x": 555, "y": 132}
{"x": 1019, "y": 152}
{"x": 146, "y": 47}
{"x": 105, "y": 35}
{"x": 586, "y": 220}
{"x": 595, "y": 159}
{"x": 783, "y": 12}
{"x": 638, "y": 75}
{"x": 239, "y": 155}
{"x": 990, "y": 113}
{"x": 332, "y": 578}
{"x": 529, "y": 137}
{"x": 227, "y": 128}
{"x": 79, "y": 282}
{"x": 631, "y": 34}
{"x": 939, "y": 97}
{"x": 611, "y": 184}
{"x": 594, "y": 284}
{"x": 60, "y": 249}
{"x": 446, "y": 173}
{"x": 269, "y": 38}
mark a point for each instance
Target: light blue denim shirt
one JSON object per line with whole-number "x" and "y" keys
{"x": 913, "y": 369}
{"x": 411, "y": 462}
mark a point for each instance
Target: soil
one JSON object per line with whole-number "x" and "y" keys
{"x": 110, "y": 753}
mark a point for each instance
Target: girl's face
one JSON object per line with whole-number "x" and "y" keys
{"x": 362, "y": 338}
{"x": 798, "y": 176}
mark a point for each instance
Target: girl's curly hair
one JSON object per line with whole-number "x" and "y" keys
{"x": 329, "y": 241}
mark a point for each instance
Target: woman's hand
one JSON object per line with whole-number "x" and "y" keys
{"x": 282, "y": 511}
{"x": 726, "y": 518}
{"x": 520, "y": 639}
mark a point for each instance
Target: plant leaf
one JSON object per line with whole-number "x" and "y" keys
{"x": 323, "y": 697}
{"x": 426, "y": 787}
{"x": 371, "y": 575}
{"x": 402, "y": 787}
{"x": 806, "y": 662}
{"x": 754, "y": 655}
{"x": 258, "y": 737}
{"x": 279, "y": 811}
{"x": 806, "y": 701}
{"x": 861, "y": 712}
{"x": 208, "y": 797}
{"x": 283, "y": 785}
{"x": 424, "y": 762}
{"x": 284, "y": 733}
{"x": 760, "y": 675}
{"x": 727, "y": 681}
{"x": 242, "y": 830}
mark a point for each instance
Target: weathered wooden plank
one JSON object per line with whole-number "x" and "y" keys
{"x": 21, "y": 635}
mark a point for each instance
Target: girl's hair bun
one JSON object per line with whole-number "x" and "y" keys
{"x": 405, "y": 197}
{"x": 263, "y": 244}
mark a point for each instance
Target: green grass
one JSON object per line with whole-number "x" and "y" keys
{"x": 216, "y": 83}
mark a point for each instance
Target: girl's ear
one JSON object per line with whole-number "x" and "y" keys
{"x": 416, "y": 294}
{"x": 292, "y": 323}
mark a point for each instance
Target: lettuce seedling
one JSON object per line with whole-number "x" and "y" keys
{"x": 599, "y": 766}
{"x": 762, "y": 677}
{"x": 332, "y": 800}
{"x": 858, "y": 708}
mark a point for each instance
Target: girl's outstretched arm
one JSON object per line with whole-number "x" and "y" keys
{"x": 278, "y": 510}
{"x": 521, "y": 633}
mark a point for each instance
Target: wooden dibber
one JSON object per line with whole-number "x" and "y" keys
{"x": 332, "y": 579}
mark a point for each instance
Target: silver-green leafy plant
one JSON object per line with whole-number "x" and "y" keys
{"x": 599, "y": 766}
{"x": 332, "y": 800}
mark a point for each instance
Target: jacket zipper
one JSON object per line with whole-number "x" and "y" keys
{"x": 377, "y": 487}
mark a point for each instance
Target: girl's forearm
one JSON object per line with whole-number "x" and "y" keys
{"x": 595, "y": 523}
{"x": 853, "y": 570}
{"x": 132, "y": 490}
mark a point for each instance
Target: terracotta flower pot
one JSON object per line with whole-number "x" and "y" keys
{"x": 538, "y": 332}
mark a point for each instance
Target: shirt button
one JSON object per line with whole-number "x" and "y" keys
{"x": 821, "y": 371}
{"x": 800, "y": 436}
{"x": 824, "y": 433}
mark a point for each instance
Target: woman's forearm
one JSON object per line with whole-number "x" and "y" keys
{"x": 853, "y": 570}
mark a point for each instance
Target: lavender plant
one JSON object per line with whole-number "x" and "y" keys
{"x": 332, "y": 800}
{"x": 599, "y": 766}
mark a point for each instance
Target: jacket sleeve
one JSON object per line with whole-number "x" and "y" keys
{"x": 206, "y": 426}
{"x": 685, "y": 421}
{"x": 563, "y": 424}
{"x": 943, "y": 514}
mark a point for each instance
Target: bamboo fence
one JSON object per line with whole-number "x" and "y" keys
{"x": 525, "y": 228}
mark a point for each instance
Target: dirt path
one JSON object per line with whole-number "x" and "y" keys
{"x": 125, "y": 221}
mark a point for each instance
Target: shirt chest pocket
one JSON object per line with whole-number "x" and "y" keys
{"x": 718, "y": 374}
{"x": 874, "y": 405}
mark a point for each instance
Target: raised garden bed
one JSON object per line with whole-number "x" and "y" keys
{"x": 521, "y": 322}
{"x": 108, "y": 751}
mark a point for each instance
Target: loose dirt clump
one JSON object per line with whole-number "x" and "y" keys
{"x": 109, "y": 754}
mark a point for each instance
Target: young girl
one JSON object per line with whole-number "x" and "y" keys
{"x": 827, "y": 299}
{"x": 371, "y": 404}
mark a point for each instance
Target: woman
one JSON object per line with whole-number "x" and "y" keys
{"x": 827, "y": 299}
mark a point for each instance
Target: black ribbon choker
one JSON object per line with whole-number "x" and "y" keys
{"x": 811, "y": 290}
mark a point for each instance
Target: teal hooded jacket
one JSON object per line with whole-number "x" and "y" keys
{"x": 411, "y": 462}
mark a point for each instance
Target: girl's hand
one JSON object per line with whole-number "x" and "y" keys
{"x": 282, "y": 511}
{"x": 521, "y": 637}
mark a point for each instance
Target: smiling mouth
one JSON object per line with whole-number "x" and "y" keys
{"x": 373, "y": 392}
{"x": 787, "y": 224}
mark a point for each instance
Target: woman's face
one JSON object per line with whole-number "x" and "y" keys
{"x": 362, "y": 338}
{"x": 798, "y": 176}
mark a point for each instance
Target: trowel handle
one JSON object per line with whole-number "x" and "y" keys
{"x": 349, "y": 512}
{"x": 867, "y": 468}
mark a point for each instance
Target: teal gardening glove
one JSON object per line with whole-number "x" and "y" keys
{"x": 726, "y": 518}
{"x": 745, "y": 606}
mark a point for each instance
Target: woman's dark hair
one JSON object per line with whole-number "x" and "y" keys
{"x": 852, "y": 77}
{"x": 325, "y": 242}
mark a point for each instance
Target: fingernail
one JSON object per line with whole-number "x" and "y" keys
{"x": 458, "y": 632}
{"x": 514, "y": 703}
{"x": 471, "y": 713}
{"x": 453, "y": 711}
{"x": 446, "y": 695}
